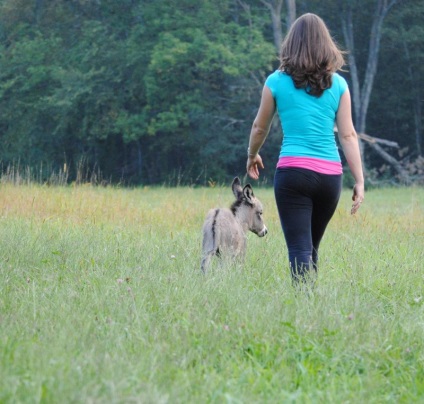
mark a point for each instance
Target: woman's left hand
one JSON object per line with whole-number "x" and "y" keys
{"x": 357, "y": 197}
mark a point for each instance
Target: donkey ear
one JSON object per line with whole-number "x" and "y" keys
{"x": 237, "y": 189}
{"x": 248, "y": 192}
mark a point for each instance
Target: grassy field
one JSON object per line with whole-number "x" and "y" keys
{"x": 102, "y": 301}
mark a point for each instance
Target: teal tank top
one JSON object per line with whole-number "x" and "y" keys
{"x": 307, "y": 121}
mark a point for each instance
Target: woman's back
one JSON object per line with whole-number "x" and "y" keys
{"x": 307, "y": 121}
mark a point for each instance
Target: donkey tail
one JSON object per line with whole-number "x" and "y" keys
{"x": 210, "y": 246}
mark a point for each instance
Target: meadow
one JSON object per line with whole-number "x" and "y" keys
{"x": 102, "y": 301}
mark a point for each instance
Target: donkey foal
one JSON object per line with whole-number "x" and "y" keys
{"x": 224, "y": 230}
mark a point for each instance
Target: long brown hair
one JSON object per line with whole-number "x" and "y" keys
{"x": 309, "y": 54}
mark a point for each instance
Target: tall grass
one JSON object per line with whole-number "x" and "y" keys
{"x": 102, "y": 300}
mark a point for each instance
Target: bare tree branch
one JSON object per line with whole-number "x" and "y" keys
{"x": 291, "y": 12}
{"x": 403, "y": 174}
{"x": 374, "y": 140}
{"x": 374, "y": 143}
{"x": 415, "y": 90}
{"x": 275, "y": 7}
{"x": 361, "y": 95}
{"x": 246, "y": 9}
{"x": 347, "y": 28}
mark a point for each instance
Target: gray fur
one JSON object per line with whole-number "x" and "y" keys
{"x": 224, "y": 230}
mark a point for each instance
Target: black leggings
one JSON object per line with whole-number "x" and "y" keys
{"x": 306, "y": 201}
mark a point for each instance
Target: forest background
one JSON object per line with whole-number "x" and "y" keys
{"x": 165, "y": 91}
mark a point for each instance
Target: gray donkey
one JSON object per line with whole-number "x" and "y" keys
{"x": 224, "y": 230}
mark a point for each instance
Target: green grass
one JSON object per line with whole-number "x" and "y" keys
{"x": 102, "y": 301}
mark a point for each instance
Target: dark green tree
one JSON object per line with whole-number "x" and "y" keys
{"x": 165, "y": 91}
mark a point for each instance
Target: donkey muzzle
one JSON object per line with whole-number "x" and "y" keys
{"x": 263, "y": 232}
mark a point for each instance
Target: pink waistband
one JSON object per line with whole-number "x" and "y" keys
{"x": 310, "y": 163}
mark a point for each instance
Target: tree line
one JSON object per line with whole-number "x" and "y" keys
{"x": 165, "y": 91}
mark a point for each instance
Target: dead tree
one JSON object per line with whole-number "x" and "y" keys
{"x": 361, "y": 94}
{"x": 375, "y": 143}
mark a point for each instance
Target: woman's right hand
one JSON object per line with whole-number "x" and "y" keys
{"x": 357, "y": 197}
{"x": 253, "y": 165}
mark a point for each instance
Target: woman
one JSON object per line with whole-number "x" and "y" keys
{"x": 310, "y": 98}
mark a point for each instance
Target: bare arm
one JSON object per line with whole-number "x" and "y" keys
{"x": 349, "y": 142}
{"x": 259, "y": 132}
